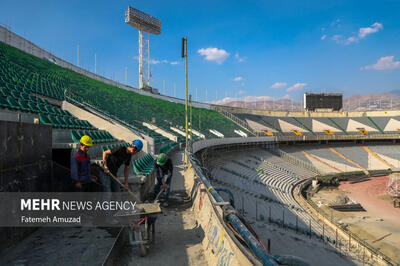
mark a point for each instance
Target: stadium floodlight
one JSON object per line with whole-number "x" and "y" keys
{"x": 150, "y": 25}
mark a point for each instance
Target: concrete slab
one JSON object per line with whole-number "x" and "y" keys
{"x": 178, "y": 241}
{"x": 61, "y": 246}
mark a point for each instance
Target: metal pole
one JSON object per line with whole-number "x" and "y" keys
{"x": 336, "y": 242}
{"x": 323, "y": 233}
{"x": 191, "y": 119}
{"x": 269, "y": 213}
{"x": 163, "y": 86}
{"x": 199, "y": 119}
{"x": 242, "y": 205}
{"x": 256, "y": 210}
{"x": 126, "y": 75}
{"x": 363, "y": 256}
{"x": 141, "y": 59}
{"x": 184, "y": 43}
{"x": 95, "y": 63}
{"x": 349, "y": 241}
{"x": 148, "y": 59}
{"x": 269, "y": 246}
{"x": 78, "y": 54}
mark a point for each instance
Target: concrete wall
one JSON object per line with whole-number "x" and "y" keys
{"x": 25, "y": 165}
{"x": 117, "y": 130}
{"x": 219, "y": 246}
{"x": 21, "y": 43}
{"x": 6, "y": 115}
{"x": 202, "y": 144}
{"x": 22, "y": 144}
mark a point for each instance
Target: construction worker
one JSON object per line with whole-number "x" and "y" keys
{"x": 80, "y": 166}
{"x": 163, "y": 167}
{"x": 113, "y": 159}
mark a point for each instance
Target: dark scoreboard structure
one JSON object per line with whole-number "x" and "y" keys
{"x": 323, "y": 101}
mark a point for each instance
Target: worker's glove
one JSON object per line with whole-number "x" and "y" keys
{"x": 164, "y": 187}
{"x": 106, "y": 170}
{"x": 78, "y": 185}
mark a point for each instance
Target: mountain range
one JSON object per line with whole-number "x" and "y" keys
{"x": 357, "y": 102}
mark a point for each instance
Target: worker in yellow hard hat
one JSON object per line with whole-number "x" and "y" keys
{"x": 80, "y": 166}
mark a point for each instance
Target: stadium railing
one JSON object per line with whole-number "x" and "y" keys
{"x": 297, "y": 161}
{"x": 338, "y": 137}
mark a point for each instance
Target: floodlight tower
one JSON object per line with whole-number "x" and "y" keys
{"x": 148, "y": 25}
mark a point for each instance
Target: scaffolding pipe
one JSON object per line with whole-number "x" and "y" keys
{"x": 227, "y": 191}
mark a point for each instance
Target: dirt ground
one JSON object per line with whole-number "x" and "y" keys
{"x": 178, "y": 241}
{"x": 379, "y": 225}
{"x": 178, "y": 235}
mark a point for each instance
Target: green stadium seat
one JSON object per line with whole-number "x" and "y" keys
{"x": 49, "y": 109}
{"x": 4, "y": 93}
{"x": 44, "y": 120}
{"x": 58, "y": 111}
{"x": 67, "y": 122}
{"x": 76, "y": 137}
{"x": 15, "y": 94}
{"x": 4, "y": 103}
{"x": 25, "y": 97}
{"x": 33, "y": 98}
{"x": 96, "y": 136}
{"x": 75, "y": 122}
{"x": 42, "y": 108}
{"x": 61, "y": 122}
{"x": 66, "y": 113}
{"x": 33, "y": 107}
{"x": 24, "y": 106}
{"x": 13, "y": 104}
{"x": 53, "y": 121}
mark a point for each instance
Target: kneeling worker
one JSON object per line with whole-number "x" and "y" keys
{"x": 80, "y": 166}
{"x": 163, "y": 167}
{"x": 113, "y": 159}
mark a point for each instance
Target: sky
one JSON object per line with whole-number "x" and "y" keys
{"x": 259, "y": 49}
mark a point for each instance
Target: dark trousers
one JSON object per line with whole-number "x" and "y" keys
{"x": 157, "y": 189}
{"x": 85, "y": 188}
{"x": 108, "y": 183}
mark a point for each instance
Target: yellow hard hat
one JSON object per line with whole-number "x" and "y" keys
{"x": 86, "y": 140}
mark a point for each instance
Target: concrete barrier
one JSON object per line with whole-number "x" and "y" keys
{"x": 219, "y": 244}
{"x": 6, "y": 115}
